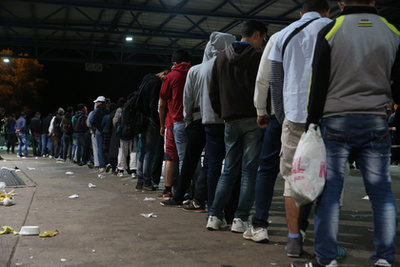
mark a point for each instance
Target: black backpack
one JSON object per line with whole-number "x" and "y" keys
{"x": 79, "y": 123}
{"x": 132, "y": 121}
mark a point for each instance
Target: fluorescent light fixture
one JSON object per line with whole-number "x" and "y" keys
{"x": 6, "y": 60}
{"x": 129, "y": 39}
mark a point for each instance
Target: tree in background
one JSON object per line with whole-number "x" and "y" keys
{"x": 20, "y": 82}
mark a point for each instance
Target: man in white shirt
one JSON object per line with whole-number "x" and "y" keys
{"x": 290, "y": 79}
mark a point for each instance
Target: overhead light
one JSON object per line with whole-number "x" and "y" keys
{"x": 129, "y": 39}
{"x": 6, "y": 60}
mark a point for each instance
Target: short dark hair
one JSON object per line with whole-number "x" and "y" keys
{"x": 22, "y": 113}
{"x": 252, "y": 26}
{"x": 365, "y": 2}
{"x": 37, "y": 113}
{"x": 315, "y": 5}
{"x": 81, "y": 106}
{"x": 180, "y": 56}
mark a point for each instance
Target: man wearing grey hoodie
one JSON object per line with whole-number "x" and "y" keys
{"x": 198, "y": 111}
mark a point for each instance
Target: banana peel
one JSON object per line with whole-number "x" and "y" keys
{"x": 8, "y": 229}
{"x": 48, "y": 233}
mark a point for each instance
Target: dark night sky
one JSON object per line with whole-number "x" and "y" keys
{"x": 69, "y": 84}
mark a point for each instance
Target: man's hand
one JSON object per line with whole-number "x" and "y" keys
{"x": 162, "y": 130}
{"x": 262, "y": 121}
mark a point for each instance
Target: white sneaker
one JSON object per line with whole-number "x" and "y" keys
{"x": 101, "y": 170}
{"x": 239, "y": 226}
{"x": 382, "y": 262}
{"x": 259, "y": 234}
{"x": 214, "y": 223}
{"x": 44, "y": 156}
{"x": 133, "y": 175}
{"x": 50, "y": 157}
{"x": 120, "y": 174}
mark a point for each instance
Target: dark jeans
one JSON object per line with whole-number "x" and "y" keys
{"x": 267, "y": 172}
{"x": 196, "y": 141}
{"x": 67, "y": 146}
{"x": 80, "y": 146}
{"x": 36, "y": 144}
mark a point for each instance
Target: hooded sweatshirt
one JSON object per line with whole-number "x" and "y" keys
{"x": 233, "y": 80}
{"x": 172, "y": 90}
{"x": 196, "y": 94}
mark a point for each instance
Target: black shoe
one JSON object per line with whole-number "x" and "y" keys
{"x": 148, "y": 188}
{"x": 139, "y": 187}
{"x": 294, "y": 247}
{"x": 171, "y": 202}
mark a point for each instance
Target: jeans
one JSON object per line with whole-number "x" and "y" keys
{"x": 147, "y": 161}
{"x": 215, "y": 150}
{"x": 80, "y": 146}
{"x": 367, "y": 136}
{"x": 67, "y": 147}
{"x": 243, "y": 140}
{"x": 196, "y": 140}
{"x": 267, "y": 172}
{"x": 47, "y": 142}
{"x": 99, "y": 141}
{"x": 36, "y": 144}
{"x": 181, "y": 141}
{"x": 22, "y": 142}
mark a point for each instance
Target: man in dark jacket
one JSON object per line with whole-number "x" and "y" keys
{"x": 46, "y": 142}
{"x": 231, "y": 94}
{"x": 36, "y": 130}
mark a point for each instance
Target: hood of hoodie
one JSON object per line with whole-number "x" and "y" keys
{"x": 238, "y": 51}
{"x": 218, "y": 42}
{"x": 182, "y": 67}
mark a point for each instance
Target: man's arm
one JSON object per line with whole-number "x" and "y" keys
{"x": 320, "y": 74}
{"x": 396, "y": 78}
{"x": 188, "y": 98}
{"x": 276, "y": 87}
{"x": 214, "y": 90}
{"x": 162, "y": 114}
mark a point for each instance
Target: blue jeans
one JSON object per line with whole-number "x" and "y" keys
{"x": 267, "y": 172}
{"x": 22, "y": 142}
{"x": 99, "y": 141}
{"x": 367, "y": 136}
{"x": 181, "y": 141}
{"x": 80, "y": 146}
{"x": 243, "y": 140}
{"x": 151, "y": 141}
{"x": 35, "y": 140}
{"x": 47, "y": 142}
{"x": 215, "y": 150}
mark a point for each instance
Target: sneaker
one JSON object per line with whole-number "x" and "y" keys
{"x": 147, "y": 188}
{"x": 214, "y": 223}
{"x": 165, "y": 196}
{"x": 44, "y": 156}
{"x": 138, "y": 187}
{"x": 50, "y": 157}
{"x": 171, "y": 202}
{"x": 101, "y": 170}
{"x": 239, "y": 226}
{"x": 59, "y": 159}
{"x": 341, "y": 252}
{"x": 383, "y": 263}
{"x": 303, "y": 235}
{"x": 120, "y": 174}
{"x": 294, "y": 247}
{"x": 258, "y": 234}
{"x": 193, "y": 206}
{"x": 108, "y": 167}
{"x": 133, "y": 175}
{"x": 313, "y": 263}
{"x": 89, "y": 164}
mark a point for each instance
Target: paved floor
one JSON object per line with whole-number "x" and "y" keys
{"x": 104, "y": 225}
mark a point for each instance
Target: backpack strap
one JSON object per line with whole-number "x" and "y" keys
{"x": 296, "y": 31}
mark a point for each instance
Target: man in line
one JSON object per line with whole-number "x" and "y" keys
{"x": 289, "y": 90}
{"x": 36, "y": 129}
{"x": 20, "y": 130}
{"x": 231, "y": 93}
{"x": 348, "y": 98}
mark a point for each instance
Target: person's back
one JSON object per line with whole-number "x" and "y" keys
{"x": 349, "y": 93}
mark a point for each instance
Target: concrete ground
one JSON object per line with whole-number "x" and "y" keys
{"x": 104, "y": 225}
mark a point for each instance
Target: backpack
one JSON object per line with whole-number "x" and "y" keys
{"x": 79, "y": 123}
{"x": 132, "y": 121}
{"x": 66, "y": 127}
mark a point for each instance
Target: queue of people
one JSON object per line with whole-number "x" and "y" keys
{"x": 244, "y": 110}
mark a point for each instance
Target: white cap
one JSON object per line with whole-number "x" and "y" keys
{"x": 100, "y": 99}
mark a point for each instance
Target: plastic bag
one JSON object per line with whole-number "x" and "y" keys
{"x": 308, "y": 167}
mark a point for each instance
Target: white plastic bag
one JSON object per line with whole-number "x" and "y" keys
{"x": 308, "y": 167}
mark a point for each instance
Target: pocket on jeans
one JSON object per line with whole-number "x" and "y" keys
{"x": 335, "y": 141}
{"x": 380, "y": 142}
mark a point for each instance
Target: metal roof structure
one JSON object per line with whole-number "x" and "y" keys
{"x": 96, "y": 30}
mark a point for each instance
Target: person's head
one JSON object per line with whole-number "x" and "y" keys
{"x": 344, "y": 3}
{"x": 99, "y": 100}
{"x": 180, "y": 56}
{"x": 162, "y": 74}
{"x": 37, "y": 114}
{"x": 254, "y": 32}
{"x": 70, "y": 110}
{"x": 108, "y": 102}
{"x": 22, "y": 114}
{"x": 320, "y": 6}
{"x": 218, "y": 42}
{"x": 81, "y": 107}
{"x": 60, "y": 111}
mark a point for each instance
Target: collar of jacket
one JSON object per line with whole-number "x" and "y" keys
{"x": 359, "y": 9}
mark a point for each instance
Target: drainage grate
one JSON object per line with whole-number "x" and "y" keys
{"x": 10, "y": 178}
